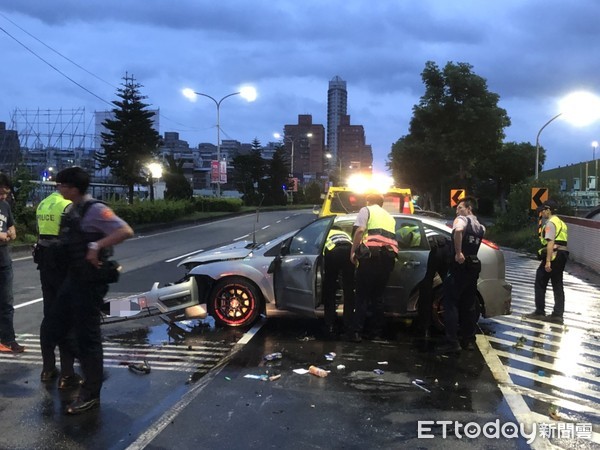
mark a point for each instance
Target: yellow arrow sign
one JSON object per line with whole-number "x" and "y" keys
{"x": 456, "y": 195}
{"x": 538, "y": 197}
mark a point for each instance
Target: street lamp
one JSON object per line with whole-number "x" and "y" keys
{"x": 155, "y": 172}
{"x": 579, "y": 108}
{"x": 247, "y": 92}
{"x": 292, "y": 140}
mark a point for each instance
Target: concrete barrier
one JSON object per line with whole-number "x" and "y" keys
{"x": 584, "y": 241}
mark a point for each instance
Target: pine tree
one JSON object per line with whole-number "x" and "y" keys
{"x": 131, "y": 142}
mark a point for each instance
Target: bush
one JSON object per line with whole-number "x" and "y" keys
{"x": 212, "y": 204}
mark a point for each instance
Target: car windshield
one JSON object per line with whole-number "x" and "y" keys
{"x": 351, "y": 202}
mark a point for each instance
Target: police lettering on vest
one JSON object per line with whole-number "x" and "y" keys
{"x": 48, "y": 214}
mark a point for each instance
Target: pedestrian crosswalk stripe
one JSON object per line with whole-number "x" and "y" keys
{"x": 166, "y": 357}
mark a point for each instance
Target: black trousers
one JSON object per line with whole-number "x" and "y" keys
{"x": 78, "y": 309}
{"x": 336, "y": 262}
{"x": 460, "y": 297}
{"x": 52, "y": 276}
{"x": 436, "y": 264}
{"x": 372, "y": 275}
{"x": 556, "y": 277}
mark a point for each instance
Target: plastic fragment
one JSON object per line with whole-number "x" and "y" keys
{"x": 553, "y": 412}
{"x": 256, "y": 377}
{"x": 541, "y": 373}
{"x": 378, "y": 371}
{"x": 228, "y": 378}
{"x": 300, "y": 371}
{"x": 272, "y": 356}
{"x": 340, "y": 367}
{"x": 143, "y": 368}
{"x": 419, "y": 386}
{"x": 382, "y": 363}
{"x": 275, "y": 377}
{"x": 330, "y": 356}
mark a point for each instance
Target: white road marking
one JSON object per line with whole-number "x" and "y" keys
{"x": 241, "y": 237}
{"x": 30, "y": 302}
{"x": 184, "y": 256}
{"x": 169, "y": 416}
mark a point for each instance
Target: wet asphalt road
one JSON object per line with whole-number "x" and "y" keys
{"x": 197, "y": 395}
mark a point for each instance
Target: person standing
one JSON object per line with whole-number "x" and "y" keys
{"x": 460, "y": 286}
{"x": 88, "y": 232}
{"x": 553, "y": 255}
{"x": 53, "y": 271}
{"x": 374, "y": 251}
{"x": 437, "y": 263}
{"x": 336, "y": 257}
{"x": 8, "y": 233}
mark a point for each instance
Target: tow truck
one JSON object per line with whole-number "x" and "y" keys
{"x": 352, "y": 197}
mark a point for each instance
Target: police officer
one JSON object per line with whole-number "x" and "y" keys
{"x": 8, "y": 233}
{"x": 88, "y": 232}
{"x": 52, "y": 267}
{"x": 374, "y": 251}
{"x": 336, "y": 257}
{"x": 460, "y": 286}
{"x": 553, "y": 256}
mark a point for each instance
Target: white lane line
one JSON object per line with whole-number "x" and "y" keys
{"x": 265, "y": 227}
{"x": 157, "y": 427}
{"x": 515, "y": 401}
{"x": 184, "y": 256}
{"x": 241, "y": 237}
{"x": 30, "y": 302}
{"x": 22, "y": 258}
{"x": 178, "y": 230}
{"x": 279, "y": 221}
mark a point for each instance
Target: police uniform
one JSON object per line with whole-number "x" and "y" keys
{"x": 81, "y": 296}
{"x": 52, "y": 274}
{"x": 554, "y": 231}
{"x": 460, "y": 286}
{"x": 375, "y": 264}
{"x": 437, "y": 263}
{"x": 336, "y": 256}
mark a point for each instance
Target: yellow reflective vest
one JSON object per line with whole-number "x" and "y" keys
{"x": 49, "y": 212}
{"x": 381, "y": 229}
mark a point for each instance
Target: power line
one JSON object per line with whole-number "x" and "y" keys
{"x": 58, "y": 53}
{"x": 55, "y": 68}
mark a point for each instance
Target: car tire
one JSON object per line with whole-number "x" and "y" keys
{"x": 234, "y": 302}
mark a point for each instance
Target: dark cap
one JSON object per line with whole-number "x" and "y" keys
{"x": 550, "y": 204}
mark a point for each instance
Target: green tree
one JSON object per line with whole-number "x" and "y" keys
{"x": 510, "y": 164}
{"x": 177, "y": 185}
{"x": 456, "y": 123}
{"x": 277, "y": 177}
{"x": 248, "y": 173}
{"x": 131, "y": 141}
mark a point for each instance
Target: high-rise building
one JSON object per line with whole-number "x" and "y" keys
{"x": 10, "y": 149}
{"x": 354, "y": 155}
{"x": 337, "y": 105}
{"x": 304, "y": 144}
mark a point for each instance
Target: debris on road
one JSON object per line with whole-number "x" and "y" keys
{"x": 141, "y": 368}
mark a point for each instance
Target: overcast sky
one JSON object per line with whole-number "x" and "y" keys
{"x": 531, "y": 52}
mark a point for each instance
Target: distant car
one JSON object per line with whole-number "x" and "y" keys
{"x": 235, "y": 283}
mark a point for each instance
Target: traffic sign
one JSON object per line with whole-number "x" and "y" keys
{"x": 538, "y": 197}
{"x": 456, "y": 195}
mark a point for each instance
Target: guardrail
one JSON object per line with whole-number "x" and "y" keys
{"x": 584, "y": 241}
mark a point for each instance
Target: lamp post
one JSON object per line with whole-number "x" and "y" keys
{"x": 248, "y": 93}
{"x": 291, "y": 140}
{"x": 537, "y": 145}
{"x": 155, "y": 172}
{"x": 579, "y": 108}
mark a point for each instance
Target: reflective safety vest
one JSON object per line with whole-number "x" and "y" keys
{"x": 337, "y": 237}
{"x": 410, "y": 236}
{"x": 48, "y": 214}
{"x": 381, "y": 229}
{"x": 561, "y": 237}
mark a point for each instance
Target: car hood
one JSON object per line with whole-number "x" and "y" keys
{"x": 237, "y": 250}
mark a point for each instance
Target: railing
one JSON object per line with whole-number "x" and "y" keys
{"x": 584, "y": 241}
